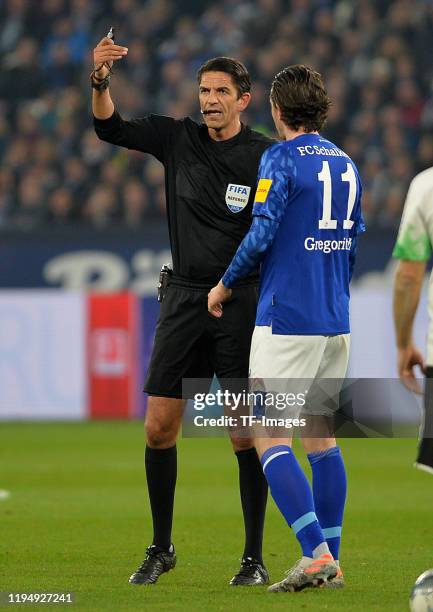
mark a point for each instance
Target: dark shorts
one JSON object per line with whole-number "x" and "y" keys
{"x": 191, "y": 343}
{"x": 425, "y": 448}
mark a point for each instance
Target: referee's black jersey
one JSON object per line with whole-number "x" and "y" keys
{"x": 210, "y": 186}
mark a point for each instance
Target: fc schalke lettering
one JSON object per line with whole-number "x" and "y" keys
{"x": 237, "y": 197}
{"x": 316, "y": 150}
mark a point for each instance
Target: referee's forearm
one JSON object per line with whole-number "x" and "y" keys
{"x": 102, "y": 104}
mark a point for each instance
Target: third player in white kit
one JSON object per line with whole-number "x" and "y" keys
{"x": 414, "y": 248}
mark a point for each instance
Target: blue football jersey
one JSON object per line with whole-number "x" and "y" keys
{"x": 312, "y": 188}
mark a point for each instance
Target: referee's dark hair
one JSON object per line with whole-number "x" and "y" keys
{"x": 300, "y": 94}
{"x": 237, "y": 71}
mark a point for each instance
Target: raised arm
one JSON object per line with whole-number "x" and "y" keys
{"x": 105, "y": 54}
{"x": 152, "y": 134}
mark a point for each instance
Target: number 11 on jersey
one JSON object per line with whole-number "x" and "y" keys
{"x": 324, "y": 176}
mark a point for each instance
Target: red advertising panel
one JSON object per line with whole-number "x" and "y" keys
{"x": 112, "y": 355}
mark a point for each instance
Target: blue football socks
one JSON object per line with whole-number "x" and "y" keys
{"x": 291, "y": 491}
{"x": 329, "y": 493}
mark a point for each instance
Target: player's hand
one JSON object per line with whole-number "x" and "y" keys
{"x": 215, "y": 299}
{"x": 408, "y": 358}
{"x": 105, "y": 54}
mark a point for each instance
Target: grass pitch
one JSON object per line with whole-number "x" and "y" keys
{"x": 78, "y": 520}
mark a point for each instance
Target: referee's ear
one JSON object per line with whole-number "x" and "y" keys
{"x": 243, "y": 101}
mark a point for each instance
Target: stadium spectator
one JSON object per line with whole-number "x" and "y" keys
{"x": 76, "y": 179}
{"x": 21, "y": 75}
{"x": 61, "y": 207}
{"x": 14, "y": 20}
{"x": 31, "y": 201}
{"x": 100, "y": 207}
{"x": 7, "y": 194}
{"x": 134, "y": 202}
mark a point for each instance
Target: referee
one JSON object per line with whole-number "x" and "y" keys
{"x": 210, "y": 178}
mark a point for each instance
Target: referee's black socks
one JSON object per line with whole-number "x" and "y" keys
{"x": 161, "y": 473}
{"x": 254, "y": 494}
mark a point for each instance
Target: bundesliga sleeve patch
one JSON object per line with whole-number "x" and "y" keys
{"x": 262, "y": 190}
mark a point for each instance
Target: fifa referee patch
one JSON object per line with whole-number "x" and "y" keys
{"x": 263, "y": 190}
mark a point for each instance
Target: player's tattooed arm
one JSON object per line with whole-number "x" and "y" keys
{"x": 407, "y": 289}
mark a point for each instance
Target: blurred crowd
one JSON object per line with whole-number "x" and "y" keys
{"x": 374, "y": 54}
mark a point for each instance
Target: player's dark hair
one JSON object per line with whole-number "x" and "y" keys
{"x": 300, "y": 94}
{"x": 235, "y": 69}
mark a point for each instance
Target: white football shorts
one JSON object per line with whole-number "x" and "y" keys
{"x": 310, "y": 368}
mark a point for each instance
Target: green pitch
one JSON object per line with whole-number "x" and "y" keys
{"x": 78, "y": 520}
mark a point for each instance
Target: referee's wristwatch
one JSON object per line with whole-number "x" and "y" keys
{"x": 97, "y": 83}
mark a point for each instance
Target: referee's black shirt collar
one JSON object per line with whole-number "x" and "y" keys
{"x": 240, "y": 138}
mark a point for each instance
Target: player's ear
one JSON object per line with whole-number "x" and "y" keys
{"x": 243, "y": 101}
{"x": 276, "y": 109}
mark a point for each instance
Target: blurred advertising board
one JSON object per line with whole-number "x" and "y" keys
{"x": 66, "y": 355}
{"x": 42, "y": 355}
{"x": 85, "y": 259}
{"x": 116, "y": 259}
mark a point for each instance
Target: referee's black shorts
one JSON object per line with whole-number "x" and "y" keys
{"x": 191, "y": 343}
